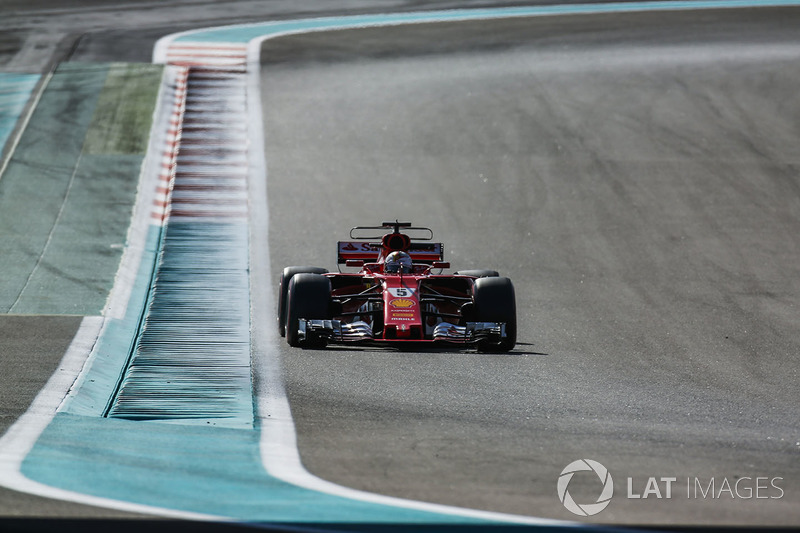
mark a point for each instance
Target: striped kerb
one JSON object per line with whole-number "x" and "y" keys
{"x": 191, "y": 359}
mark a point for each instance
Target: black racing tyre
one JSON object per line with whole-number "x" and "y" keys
{"x": 494, "y": 301}
{"x": 309, "y": 297}
{"x": 283, "y": 288}
{"x": 478, "y": 273}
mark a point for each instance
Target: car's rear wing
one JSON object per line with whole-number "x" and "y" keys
{"x": 371, "y": 233}
{"x": 369, "y": 252}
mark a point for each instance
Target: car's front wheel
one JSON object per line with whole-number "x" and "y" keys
{"x": 494, "y": 300}
{"x": 283, "y": 288}
{"x": 308, "y": 297}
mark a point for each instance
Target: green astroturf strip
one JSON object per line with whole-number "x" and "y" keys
{"x": 122, "y": 118}
{"x": 67, "y": 195}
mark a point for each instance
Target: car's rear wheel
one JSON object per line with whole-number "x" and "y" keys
{"x": 494, "y": 301}
{"x": 286, "y": 276}
{"x": 308, "y": 297}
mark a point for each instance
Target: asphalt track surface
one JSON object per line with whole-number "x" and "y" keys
{"x": 634, "y": 175}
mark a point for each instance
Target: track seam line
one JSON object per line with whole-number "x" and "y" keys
{"x": 50, "y": 234}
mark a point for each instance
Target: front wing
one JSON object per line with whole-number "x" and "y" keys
{"x": 444, "y": 332}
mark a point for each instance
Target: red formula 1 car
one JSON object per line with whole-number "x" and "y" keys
{"x": 396, "y": 298}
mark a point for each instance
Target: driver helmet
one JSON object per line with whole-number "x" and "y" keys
{"x": 397, "y": 262}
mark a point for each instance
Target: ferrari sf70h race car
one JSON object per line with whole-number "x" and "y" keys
{"x": 396, "y": 298}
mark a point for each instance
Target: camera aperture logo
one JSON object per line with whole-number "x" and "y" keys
{"x": 585, "y": 509}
